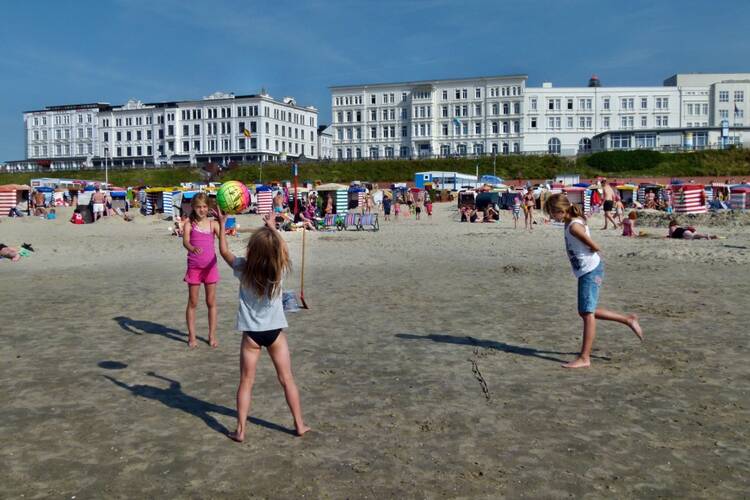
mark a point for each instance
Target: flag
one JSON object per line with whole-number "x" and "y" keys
{"x": 457, "y": 122}
{"x": 246, "y": 132}
{"x": 736, "y": 109}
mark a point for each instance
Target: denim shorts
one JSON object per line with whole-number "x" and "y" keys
{"x": 588, "y": 289}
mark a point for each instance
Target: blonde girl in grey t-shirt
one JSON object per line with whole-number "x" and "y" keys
{"x": 260, "y": 317}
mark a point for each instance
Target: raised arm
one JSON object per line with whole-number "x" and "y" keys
{"x": 579, "y": 232}
{"x": 226, "y": 254}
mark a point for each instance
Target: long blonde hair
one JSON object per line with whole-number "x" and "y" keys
{"x": 560, "y": 203}
{"x": 198, "y": 198}
{"x": 266, "y": 262}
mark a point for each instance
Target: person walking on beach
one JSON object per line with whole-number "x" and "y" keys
{"x": 202, "y": 269}
{"x": 588, "y": 267}
{"x": 261, "y": 317}
{"x": 609, "y": 204}
{"x": 528, "y": 204}
{"x": 98, "y": 199}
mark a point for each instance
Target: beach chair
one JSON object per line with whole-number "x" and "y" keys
{"x": 328, "y": 223}
{"x": 351, "y": 220}
{"x": 369, "y": 221}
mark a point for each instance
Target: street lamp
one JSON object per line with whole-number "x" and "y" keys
{"x": 106, "y": 171}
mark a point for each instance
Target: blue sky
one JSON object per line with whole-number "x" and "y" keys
{"x": 64, "y": 52}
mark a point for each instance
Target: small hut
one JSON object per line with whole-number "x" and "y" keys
{"x": 740, "y": 197}
{"x": 264, "y": 199}
{"x": 340, "y": 194}
{"x": 689, "y": 199}
{"x": 11, "y": 195}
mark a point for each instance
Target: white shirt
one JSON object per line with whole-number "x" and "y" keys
{"x": 582, "y": 259}
{"x": 257, "y": 314}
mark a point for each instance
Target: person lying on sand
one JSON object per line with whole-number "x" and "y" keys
{"x": 9, "y": 252}
{"x": 686, "y": 233}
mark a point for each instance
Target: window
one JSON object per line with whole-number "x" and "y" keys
{"x": 553, "y": 146}
{"x": 445, "y": 95}
{"x": 506, "y": 108}
{"x": 723, "y": 96}
{"x": 477, "y": 109}
{"x": 465, "y": 93}
{"x": 739, "y": 96}
{"x": 533, "y": 104}
{"x": 644, "y": 121}
{"x": 533, "y": 123}
{"x": 495, "y": 127}
{"x": 570, "y": 122}
{"x": 724, "y": 113}
{"x": 372, "y": 101}
{"x": 584, "y": 144}
{"x": 373, "y": 132}
{"x": 445, "y": 129}
{"x": 605, "y": 103}
{"x": 739, "y": 113}
{"x": 644, "y": 102}
{"x": 478, "y": 93}
{"x": 620, "y": 141}
{"x": 689, "y": 109}
{"x": 444, "y": 111}
{"x": 570, "y": 104}
{"x": 517, "y": 108}
{"x": 477, "y": 128}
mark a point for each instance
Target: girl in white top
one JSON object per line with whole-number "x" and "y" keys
{"x": 588, "y": 267}
{"x": 261, "y": 317}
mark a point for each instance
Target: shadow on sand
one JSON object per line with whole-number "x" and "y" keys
{"x": 140, "y": 327}
{"x": 173, "y": 397}
{"x": 493, "y": 344}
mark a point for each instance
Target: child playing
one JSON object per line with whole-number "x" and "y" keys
{"x": 261, "y": 317}
{"x": 198, "y": 239}
{"x": 516, "y": 209}
{"x": 396, "y": 207}
{"x": 589, "y": 269}
{"x": 628, "y": 225}
{"x": 386, "y": 208}
{"x": 428, "y": 204}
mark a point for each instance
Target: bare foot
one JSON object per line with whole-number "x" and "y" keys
{"x": 635, "y": 326}
{"x": 192, "y": 343}
{"x": 578, "y": 363}
{"x": 238, "y": 436}
{"x": 213, "y": 342}
{"x": 16, "y": 257}
{"x": 302, "y": 430}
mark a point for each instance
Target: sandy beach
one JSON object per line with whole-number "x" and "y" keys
{"x": 428, "y": 365}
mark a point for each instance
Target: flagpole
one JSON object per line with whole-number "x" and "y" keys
{"x": 294, "y": 167}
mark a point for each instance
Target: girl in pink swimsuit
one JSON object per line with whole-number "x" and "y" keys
{"x": 198, "y": 239}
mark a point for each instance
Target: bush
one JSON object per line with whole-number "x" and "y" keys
{"x": 624, "y": 161}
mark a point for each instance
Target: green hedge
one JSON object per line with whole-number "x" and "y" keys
{"x": 733, "y": 162}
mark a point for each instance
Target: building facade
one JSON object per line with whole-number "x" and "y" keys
{"x": 325, "y": 142}
{"x": 218, "y": 128}
{"x": 428, "y": 118}
{"x": 501, "y": 115}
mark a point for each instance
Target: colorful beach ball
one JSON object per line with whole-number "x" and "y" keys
{"x": 233, "y": 197}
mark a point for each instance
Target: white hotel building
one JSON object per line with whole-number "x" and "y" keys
{"x": 165, "y": 133}
{"x": 428, "y": 118}
{"x": 500, "y": 114}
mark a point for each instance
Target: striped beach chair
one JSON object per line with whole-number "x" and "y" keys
{"x": 369, "y": 221}
{"x": 351, "y": 220}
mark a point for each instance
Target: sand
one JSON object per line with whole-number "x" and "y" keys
{"x": 428, "y": 365}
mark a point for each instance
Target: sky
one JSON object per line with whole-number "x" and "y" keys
{"x": 77, "y": 51}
